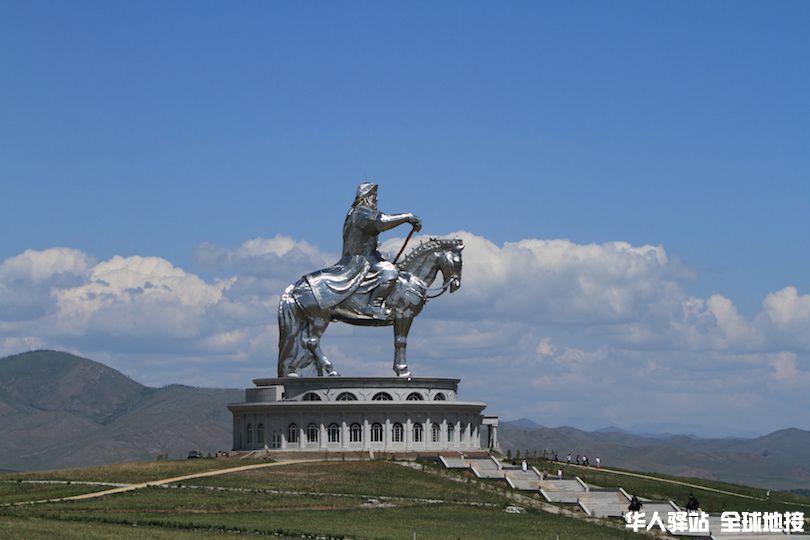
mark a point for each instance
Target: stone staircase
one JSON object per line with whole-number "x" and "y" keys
{"x": 593, "y": 500}
{"x": 563, "y": 491}
{"x": 604, "y": 502}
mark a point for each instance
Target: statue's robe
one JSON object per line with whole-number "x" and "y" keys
{"x": 334, "y": 284}
{"x": 355, "y": 272}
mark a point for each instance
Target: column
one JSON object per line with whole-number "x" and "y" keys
{"x": 283, "y": 430}
{"x": 366, "y": 434}
{"x": 322, "y": 438}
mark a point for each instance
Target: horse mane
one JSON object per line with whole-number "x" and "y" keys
{"x": 425, "y": 247}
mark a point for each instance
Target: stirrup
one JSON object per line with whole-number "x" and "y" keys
{"x": 374, "y": 312}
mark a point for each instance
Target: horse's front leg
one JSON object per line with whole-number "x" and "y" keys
{"x": 313, "y": 343}
{"x": 401, "y": 328}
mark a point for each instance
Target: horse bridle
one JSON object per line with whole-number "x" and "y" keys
{"x": 442, "y": 289}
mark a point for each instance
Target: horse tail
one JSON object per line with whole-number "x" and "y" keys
{"x": 290, "y": 326}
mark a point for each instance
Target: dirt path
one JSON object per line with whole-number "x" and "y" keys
{"x": 162, "y": 481}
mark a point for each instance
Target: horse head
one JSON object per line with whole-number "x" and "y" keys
{"x": 450, "y": 263}
{"x": 436, "y": 255}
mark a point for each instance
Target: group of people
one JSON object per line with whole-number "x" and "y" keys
{"x": 582, "y": 460}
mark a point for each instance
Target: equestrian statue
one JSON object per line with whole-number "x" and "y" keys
{"x": 363, "y": 288}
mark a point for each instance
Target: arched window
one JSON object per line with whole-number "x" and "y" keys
{"x": 311, "y": 396}
{"x": 451, "y": 431}
{"x": 462, "y": 434}
{"x": 250, "y": 433}
{"x": 312, "y": 433}
{"x": 439, "y": 397}
{"x": 434, "y": 432}
{"x": 397, "y": 433}
{"x": 414, "y": 396}
{"x": 382, "y": 396}
{"x": 333, "y": 433}
{"x": 292, "y": 433}
{"x": 418, "y": 432}
{"x": 376, "y": 432}
{"x": 346, "y": 396}
{"x": 356, "y": 433}
{"x": 260, "y": 434}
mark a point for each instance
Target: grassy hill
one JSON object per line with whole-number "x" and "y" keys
{"x": 365, "y": 499}
{"x": 59, "y": 410}
{"x": 336, "y": 499}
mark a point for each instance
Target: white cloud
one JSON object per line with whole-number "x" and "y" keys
{"x": 277, "y": 258}
{"x": 38, "y": 266}
{"x": 137, "y": 296}
{"x": 786, "y": 315}
{"x": 548, "y": 318}
{"x": 26, "y": 281}
{"x": 561, "y": 282}
{"x": 545, "y": 347}
{"x": 786, "y": 373}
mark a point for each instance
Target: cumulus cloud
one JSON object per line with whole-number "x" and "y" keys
{"x": 276, "y": 258}
{"x": 561, "y": 282}
{"x": 138, "y": 296}
{"x": 26, "y": 280}
{"x": 787, "y": 373}
{"x": 535, "y": 315}
{"x": 46, "y": 265}
{"x": 786, "y": 313}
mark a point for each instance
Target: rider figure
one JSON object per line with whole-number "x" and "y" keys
{"x": 361, "y": 232}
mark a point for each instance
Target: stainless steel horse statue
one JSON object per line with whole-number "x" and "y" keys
{"x": 303, "y": 316}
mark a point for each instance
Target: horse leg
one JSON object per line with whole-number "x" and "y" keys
{"x": 401, "y": 328}
{"x": 313, "y": 343}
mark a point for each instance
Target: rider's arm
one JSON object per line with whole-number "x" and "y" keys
{"x": 385, "y": 222}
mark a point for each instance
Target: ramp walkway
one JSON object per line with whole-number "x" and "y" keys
{"x": 529, "y": 480}
{"x": 604, "y": 502}
{"x": 563, "y": 491}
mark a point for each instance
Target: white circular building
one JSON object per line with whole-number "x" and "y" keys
{"x": 346, "y": 414}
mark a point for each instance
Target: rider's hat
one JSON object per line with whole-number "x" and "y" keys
{"x": 365, "y": 189}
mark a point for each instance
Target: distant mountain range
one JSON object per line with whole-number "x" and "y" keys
{"x": 780, "y": 460}
{"x": 58, "y": 410}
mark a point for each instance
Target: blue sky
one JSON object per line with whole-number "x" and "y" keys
{"x": 153, "y": 131}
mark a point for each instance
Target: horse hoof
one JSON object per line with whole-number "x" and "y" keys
{"x": 334, "y": 373}
{"x": 404, "y": 374}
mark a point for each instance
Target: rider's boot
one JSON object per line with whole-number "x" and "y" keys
{"x": 374, "y": 311}
{"x": 375, "y": 307}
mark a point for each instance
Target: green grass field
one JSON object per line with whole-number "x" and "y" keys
{"x": 327, "y": 499}
{"x": 13, "y": 491}
{"x": 358, "y": 478}
{"x": 132, "y": 472}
